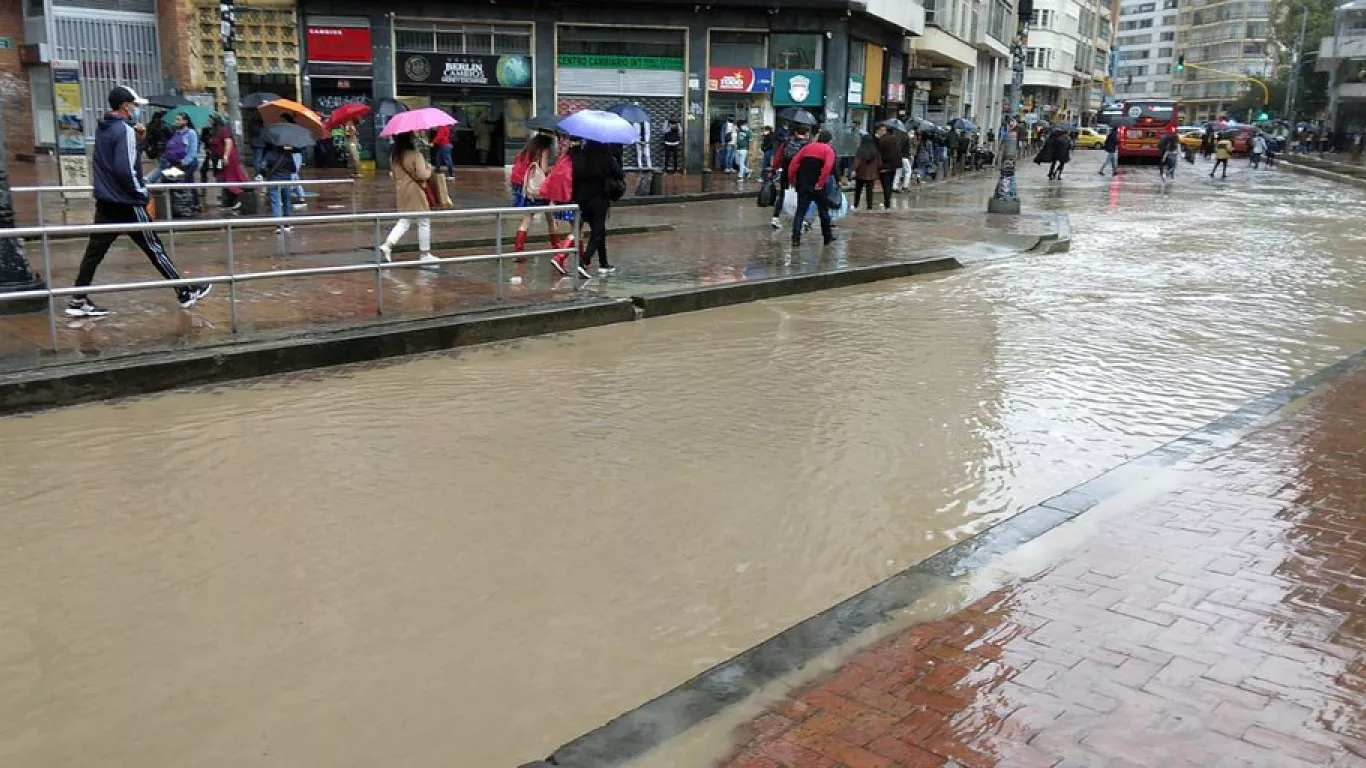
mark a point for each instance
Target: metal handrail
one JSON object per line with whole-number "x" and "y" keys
{"x": 192, "y": 185}
{"x": 233, "y": 277}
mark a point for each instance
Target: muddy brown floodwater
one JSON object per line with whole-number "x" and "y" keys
{"x": 470, "y": 559}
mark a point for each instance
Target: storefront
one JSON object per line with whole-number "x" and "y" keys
{"x": 479, "y": 73}
{"x": 599, "y": 66}
{"x": 738, "y": 85}
{"x": 340, "y": 70}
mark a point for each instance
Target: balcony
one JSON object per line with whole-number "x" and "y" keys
{"x": 1348, "y": 47}
{"x": 907, "y": 14}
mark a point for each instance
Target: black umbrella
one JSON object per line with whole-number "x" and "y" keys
{"x": 169, "y": 100}
{"x": 632, "y": 113}
{"x": 928, "y": 126}
{"x": 894, "y": 124}
{"x": 387, "y": 107}
{"x": 255, "y": 100}
{"x": 798, "y": 116}
{"x": 549, "y": 123}
{"x": 964, "y": 124}
{"x": 289, "y": 135}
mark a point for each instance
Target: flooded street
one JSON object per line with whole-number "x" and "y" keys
{"x": 472, "y": 558}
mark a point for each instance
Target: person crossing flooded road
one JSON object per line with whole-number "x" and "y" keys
{"x": 121, "y": 197}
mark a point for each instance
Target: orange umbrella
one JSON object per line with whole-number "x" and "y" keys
{"x": 275, "y": 111}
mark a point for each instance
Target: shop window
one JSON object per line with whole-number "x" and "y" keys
{"x": 738, "y": 49}
{"x": 795, "y": 51}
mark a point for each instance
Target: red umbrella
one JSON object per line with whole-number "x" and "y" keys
{"x": 351, "y": 110}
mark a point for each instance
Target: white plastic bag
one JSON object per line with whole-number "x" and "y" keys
{"x": 790, "y": 206}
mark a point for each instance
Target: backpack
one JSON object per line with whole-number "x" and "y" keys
{"x": 790, "y": 150}
{"x": 175, "y": 148}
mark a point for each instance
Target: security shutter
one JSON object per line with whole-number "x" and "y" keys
{"x": 113, "y": 49}
{"x": 659, "y": 109}
{"x": 631, "y": 82}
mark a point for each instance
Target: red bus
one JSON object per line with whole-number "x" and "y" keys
{"x": 1143, "y": 124}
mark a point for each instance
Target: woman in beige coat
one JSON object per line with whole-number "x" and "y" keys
{"x": 411, "y": 172}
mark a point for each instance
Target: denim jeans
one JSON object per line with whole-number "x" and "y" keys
{"x": 1111, "y": 162}
{"x": 277, "y": 209}
{"x": 806, "y": 200}
{"x": 445, "y": 157}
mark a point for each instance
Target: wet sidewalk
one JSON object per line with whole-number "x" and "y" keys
{"x": 656, "y": 248}
{"x": 1214, "y": 617}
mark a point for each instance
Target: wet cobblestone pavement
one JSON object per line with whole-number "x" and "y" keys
{"x": 1218, "y": 621}
{"x": 657, "y": 248}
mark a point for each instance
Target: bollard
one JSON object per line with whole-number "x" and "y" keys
{"x": 706, "y": 179}
{"x": 656, "y": 182}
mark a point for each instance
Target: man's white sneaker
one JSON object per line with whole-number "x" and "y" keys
{"x": 386, "y": 253}
{"x": 773, "y": 222}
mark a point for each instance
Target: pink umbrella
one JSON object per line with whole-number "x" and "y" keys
{"x": 423, "y": 119}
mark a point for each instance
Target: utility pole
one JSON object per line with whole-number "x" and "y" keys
{"x": 1294, "y": 81}
{"x": 227, "y": 27}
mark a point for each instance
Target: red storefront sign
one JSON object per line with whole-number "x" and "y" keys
{"x": 344, "y": 44}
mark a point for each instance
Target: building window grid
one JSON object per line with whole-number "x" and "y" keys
{"x": 469, "y": 38}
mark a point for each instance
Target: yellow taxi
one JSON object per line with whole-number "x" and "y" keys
{"x": 1087, "y": 138}
{"x": 1191, "y": 138}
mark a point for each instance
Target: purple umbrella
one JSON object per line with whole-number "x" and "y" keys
{"x": 599, "y": 126}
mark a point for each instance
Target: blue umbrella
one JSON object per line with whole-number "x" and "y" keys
{"x": 963, "y": 124}
{"x": 632, "y": 113}
{"x": 599, "y": 126}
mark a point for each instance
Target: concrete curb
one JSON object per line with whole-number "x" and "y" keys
{"x": 1321, "y": 173}
{"x": 62, "y": 385}
{"x": 1060, "y": 241}
{"x": 710, "y": 297}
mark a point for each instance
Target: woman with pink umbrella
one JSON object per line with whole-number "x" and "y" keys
{"x": 411, "y": 174}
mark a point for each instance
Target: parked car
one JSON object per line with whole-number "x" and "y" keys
{"x": 1088, "y": 138}
{"x": 1191, "y": 138}
{"x": 1241, "y": 136}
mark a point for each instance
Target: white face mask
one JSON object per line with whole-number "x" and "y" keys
{"x": 137, "y": 114}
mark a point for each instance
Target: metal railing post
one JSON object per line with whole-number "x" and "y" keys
{"x": 578, "y": 247}
{"x": 498, "y": 251}
{"x": 40, "y": 209}
{"x": 379, "y": 273}
{"x": 232, "y": 284}
{"x": 170, "y": 218}
{"x": 51, "y": 300}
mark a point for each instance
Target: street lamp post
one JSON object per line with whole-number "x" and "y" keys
{"x": 227, "y": 29}
{"x": 1006, "y": 199}
{"x": 15, "y": 272}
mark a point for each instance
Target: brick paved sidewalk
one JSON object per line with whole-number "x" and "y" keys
{"x": 1218, "y": 623}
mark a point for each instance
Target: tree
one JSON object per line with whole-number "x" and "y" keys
{"x": 1252, "y": 100}
{"x": 1311, "y": 90}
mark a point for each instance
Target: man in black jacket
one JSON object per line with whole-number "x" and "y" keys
{"x": 1111, "y": 153}
{"x": 121, "y": 198}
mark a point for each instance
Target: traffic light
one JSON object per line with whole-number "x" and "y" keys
{"x": 1181, "y": 63}
{"x": 1263, "y": 115}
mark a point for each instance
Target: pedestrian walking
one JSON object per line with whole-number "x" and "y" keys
{"x": 121, "y": 198}
{"x": 1057, "y": 152}
{"x": 808, "y": 173}
{"x": 352, "y": 132}
{"x": 182, "y": 153}
{"x": 1111, "y": 154}
{"x": 154, "y": 144}
{"x": 1223, "y": 152}
{"x": 411, "y": 174}
{"x": 796, "y": 140}
{"x": 1358, "y": 143}
{"x": 529, "y": 172}
{"x": 1258, "y": 149}
{"x": 278, "y": 165}
{"x": 743, "y": 138}
{"x": 867, "y": 169}
{"x": 903, "y": 178}
{"x": 728, "y": 141}
{"x": 768, "y": 143}
{"x": 889, "y": 150}
{"x": 1168, "y": 152}
{"x": 673, "y": 146}
{"x": 598, "y": 182}
{"x": 225, "y": 144}
{"x": 213, "y": 151}
{"x": 443, "y": 152}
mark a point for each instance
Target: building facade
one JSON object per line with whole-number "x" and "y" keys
{"x": 1066, "y": 58}
{"x": 495, "y": 64}
{"x": 961, "y": 65}
{"x": 1343, "y": 56}
{"x": 1223, "y": 43}
{"x": 1146, "y": 44}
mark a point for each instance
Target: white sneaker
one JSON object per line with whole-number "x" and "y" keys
{"x": 386, "y": 252}
{"x": 429, "y": 257}
{"x": 773, "y": 222}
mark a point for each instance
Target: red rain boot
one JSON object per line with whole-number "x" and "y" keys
{"x": 519, "y": 245}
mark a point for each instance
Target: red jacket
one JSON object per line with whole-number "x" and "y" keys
{"x": 809, "y": 155}
{"x": 442, "y": 137}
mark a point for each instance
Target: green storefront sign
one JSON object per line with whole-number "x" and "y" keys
{"x": 588, "y": 61}
{"x": 798, "y": 88}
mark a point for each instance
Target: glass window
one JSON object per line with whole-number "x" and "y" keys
{"x": 605, "y": 41}
{"x": 1164, "y": 53}
{"x": 795, "y": 51}
{"x": 1168, "y": 21}
{"x": 738, "y": 49}
{"x": 858, "y": 57}
{"x": 1166, "y": 37}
